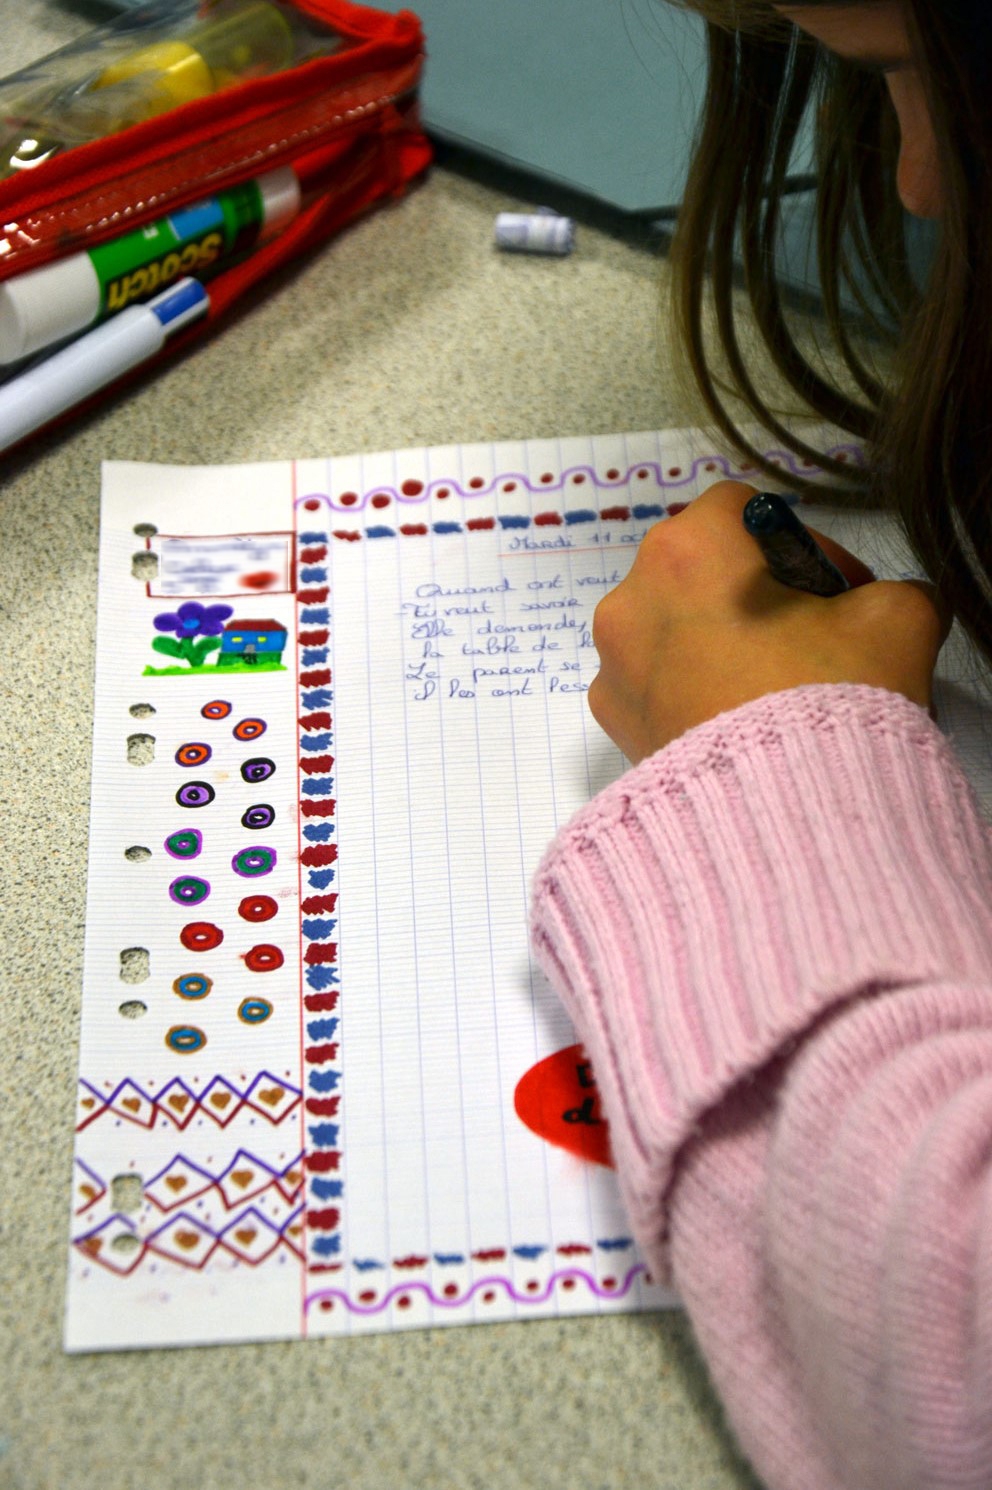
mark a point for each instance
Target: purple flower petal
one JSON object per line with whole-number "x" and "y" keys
{"x": 167, "y": 621}
{"x": 214, "y": 617}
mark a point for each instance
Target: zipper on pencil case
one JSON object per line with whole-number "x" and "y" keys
{"x": 201, "y": 166}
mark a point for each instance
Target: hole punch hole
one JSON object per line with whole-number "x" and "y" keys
{"x": 132, "y": 1009}
{"x": 141, "y": 711}
{"x": 127, "y": 1192}
{"x": 135, "y": 965}
{"x": 126, "y": 1243}
{"x": 137, "y": 853}
{"x": 144, "y": 530}
{"x": 140, "y": 749}
{"x": 144, "y": 566}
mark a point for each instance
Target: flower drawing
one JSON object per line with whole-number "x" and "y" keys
{"x": 197, "y": 627}
{"x": 194, "y": 619}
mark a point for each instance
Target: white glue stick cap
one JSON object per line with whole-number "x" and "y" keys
{"x": 280, "y": 193}
{"x": 46, "y": 305}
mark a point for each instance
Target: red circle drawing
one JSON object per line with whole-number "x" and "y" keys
{"x": 201, "y": 936}
{"x": 265, "y": 958}
{"x": 257, "y": 908}
{"x": 249, "y": 729}
{"x": 218, "y": 708}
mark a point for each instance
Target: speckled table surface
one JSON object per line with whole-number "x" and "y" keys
{"x": 409, "y": 329}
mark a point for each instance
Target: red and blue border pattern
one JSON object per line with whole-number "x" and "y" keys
{"x": 318, "y": 901}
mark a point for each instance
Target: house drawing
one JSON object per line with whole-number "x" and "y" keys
{"x": 246, "y": 641}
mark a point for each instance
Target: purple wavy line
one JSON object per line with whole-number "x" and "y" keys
{"x": 663, "y": 481}
{"x": 466, "y": 1297}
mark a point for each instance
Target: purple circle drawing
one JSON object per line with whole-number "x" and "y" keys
{"x": 258, "y": 768}
{"x": 261, "y": 815}
{"x": 195, "y": 794}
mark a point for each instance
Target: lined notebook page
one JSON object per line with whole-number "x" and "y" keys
{"x": 340, "y": 714}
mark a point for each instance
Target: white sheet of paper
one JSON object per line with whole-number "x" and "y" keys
{"x": 308, "y": 999}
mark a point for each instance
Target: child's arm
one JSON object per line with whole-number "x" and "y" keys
{"x": 750, "y": 929}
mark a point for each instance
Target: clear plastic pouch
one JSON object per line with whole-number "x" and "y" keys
{"x": 284, "y": 118}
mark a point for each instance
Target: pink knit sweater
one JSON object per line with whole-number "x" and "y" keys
{"x": 775, "y": 940}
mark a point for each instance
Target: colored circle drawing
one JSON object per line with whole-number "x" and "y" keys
{"x": 265, "y": 958}
{"x": 188, "y": 890}
{"x": 185, "y": 1039}
{"x": 195, "y": 794}
{"x": 185, "y": 844}
{"x": 261, "y": 815}
{"x": 193, "y": 986}
{"x": 254, "y": 861}
{"x": 257, "y": 908}
{"x": 201, "y": 936}
{"x": 218, "y": 708}
{"x": 249, "y": 729}
{"x": 193, "y": 753}
{"x": 254, "y": 1011}
{"x": 258, "y": 768}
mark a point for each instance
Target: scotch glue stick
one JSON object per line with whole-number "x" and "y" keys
{"x": 47, "y": 305}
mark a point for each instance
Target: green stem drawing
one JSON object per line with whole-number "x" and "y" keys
{"x": 188, "y": 649}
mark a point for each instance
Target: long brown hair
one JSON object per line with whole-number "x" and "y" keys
{"x": 928, "y": 425}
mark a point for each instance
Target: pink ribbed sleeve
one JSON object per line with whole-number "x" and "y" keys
{"x": 775, "y": 940}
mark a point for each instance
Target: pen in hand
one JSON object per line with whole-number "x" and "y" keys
{"x": 791, "y": 552}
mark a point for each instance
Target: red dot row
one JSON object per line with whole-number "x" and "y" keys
{"x": 450, "y": 1291}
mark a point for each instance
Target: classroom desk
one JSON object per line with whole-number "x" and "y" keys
{"x": 410, "y": 329}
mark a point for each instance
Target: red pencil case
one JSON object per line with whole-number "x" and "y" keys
{"x": 345, "y": 121}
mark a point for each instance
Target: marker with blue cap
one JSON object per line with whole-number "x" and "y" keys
{"x": 93, "y": 361}
{"x": 791, "y": 552}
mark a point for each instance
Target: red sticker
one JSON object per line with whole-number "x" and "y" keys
{"x": 558, "y": 1100}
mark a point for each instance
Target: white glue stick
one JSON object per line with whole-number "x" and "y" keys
{"x": 46, "y": 305}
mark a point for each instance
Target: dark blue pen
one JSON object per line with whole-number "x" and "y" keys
{"x": 791, "y": 552}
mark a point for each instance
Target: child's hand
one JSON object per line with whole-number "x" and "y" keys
{"x": 699, "y": 626}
